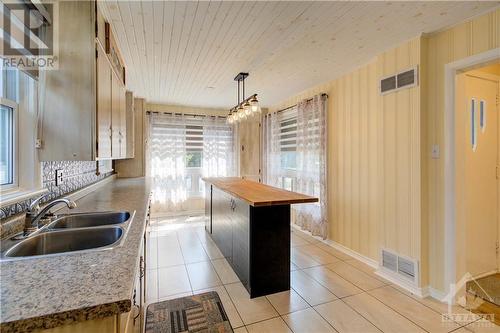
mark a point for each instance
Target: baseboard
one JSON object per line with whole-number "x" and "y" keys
{"x": 402, "y": 282}
{"x": 382, "y": 272}
{"x": 437, "y": 294}
{"x": 369, "y": 261}
{"x": 356, "y": 255}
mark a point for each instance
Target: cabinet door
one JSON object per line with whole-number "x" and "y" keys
{"x": 130, "y": 123}
{"x": 241, "y": 240}
{"x": 123, "y": 124}
{"x": 115, "y": 119}
{"x": 221, "y": 222}
{"x": 103, "y": 105}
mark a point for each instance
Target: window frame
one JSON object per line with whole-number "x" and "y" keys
{"x": 14, "y": 186}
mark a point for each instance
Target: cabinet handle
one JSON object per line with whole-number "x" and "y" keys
{"x": 141, "y": 268}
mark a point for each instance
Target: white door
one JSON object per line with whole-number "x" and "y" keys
{"x": 481, "y": 188}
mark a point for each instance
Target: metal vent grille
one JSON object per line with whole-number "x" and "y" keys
{"x": 406, "y": 78}
{"x": 390, "y": 260}
{"x": 401, "y": 80}
{"x": 406, "y": 267}
{"x": 388, "y": 84}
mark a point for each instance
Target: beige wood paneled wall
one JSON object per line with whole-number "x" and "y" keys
{"x": 399, "y": 156}
{"x": 385, "y": 190}
{"x": 374, "y": 186}
{"x": 470, "y": 38}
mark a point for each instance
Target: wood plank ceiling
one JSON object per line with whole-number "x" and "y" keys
{"x": 187, "y": 52}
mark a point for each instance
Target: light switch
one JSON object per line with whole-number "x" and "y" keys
{"x": 435, "y": 151}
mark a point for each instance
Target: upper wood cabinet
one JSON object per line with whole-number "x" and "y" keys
{"x": 130, "y": 124}
{"x": 104, "y": 108}
{"x": 116, "y": 117}
{"x": 123, "y": 123}
{"x": 82, "y": 103}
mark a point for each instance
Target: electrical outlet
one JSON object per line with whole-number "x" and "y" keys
{"x": 59, "y": 177}
{"x": 435, "y": 151}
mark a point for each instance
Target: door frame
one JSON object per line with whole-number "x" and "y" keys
{"x": 450, "y": 71}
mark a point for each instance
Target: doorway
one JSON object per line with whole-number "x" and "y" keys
{"x": 477, "y": 152}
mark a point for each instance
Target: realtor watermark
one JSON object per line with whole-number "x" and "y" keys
{"x": 29, "y": 35}
{"x": 458, "y": 295}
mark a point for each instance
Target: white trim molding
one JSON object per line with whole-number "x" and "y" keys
{"x": 450, "y": 71}
{"x": 406, "y": 284}
{"x": 369, "y": 261}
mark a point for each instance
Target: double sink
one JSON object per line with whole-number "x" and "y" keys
{"x": 73, "y": 232}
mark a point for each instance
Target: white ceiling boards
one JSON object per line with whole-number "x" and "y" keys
{"x": 187, "y": 53}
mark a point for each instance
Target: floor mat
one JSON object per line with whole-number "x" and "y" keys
{"x": 197, "y": 313}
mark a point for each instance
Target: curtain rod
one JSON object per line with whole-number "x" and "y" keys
{"x": 292, "y": 106}
{"x": 185, "y": 114}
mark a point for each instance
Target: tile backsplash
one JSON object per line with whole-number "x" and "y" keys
{"x": 75, "y": 175}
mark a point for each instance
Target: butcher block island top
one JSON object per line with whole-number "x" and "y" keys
{"x": 257, "y": 194}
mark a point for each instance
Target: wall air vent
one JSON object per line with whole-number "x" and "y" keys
{"x": 404, "y": 267}
{"x": 389, "y": 260}
{"x": 405, "y": 79}
{"x": 387, "y": 84}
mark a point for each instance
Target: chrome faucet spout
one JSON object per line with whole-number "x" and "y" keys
{"x": 33, "y": 218}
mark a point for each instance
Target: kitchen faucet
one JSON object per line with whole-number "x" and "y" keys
{"x": 34, "y": 214}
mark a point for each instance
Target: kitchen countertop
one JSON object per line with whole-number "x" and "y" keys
{"x": 51, "y": 291}
{"x": 258, "y": 194}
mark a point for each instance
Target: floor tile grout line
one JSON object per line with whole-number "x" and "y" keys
{"x": 345, "y": 278}
{"x": 235, "y": 307}
{"x": 359, "y": 313}
{"x": 395, "y": 310}
{"x": 341, "y": 277}
{"x": 416, "y": 300}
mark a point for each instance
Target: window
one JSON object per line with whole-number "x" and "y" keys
{"x": 8, "y": 112}
{"x": 288, "y": 143}
{"x": 8, "y": 127}
{"x": 194, "y": 146}
{"x": 20, "y": 170}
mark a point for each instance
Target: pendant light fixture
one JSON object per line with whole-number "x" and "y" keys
{"x": 245, "y": 108}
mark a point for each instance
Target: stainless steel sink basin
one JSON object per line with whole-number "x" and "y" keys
{"x": 86, "y": 220}
{"x": 59, "y": 241}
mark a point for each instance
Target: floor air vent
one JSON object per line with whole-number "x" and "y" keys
{"x": 404, "y": 267}
{"x": 401, "y": 80}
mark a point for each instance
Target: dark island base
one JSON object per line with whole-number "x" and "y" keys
{"x": 254, "y": 240}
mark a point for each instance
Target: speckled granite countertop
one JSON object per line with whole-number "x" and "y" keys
{"x": 58, "y": 290}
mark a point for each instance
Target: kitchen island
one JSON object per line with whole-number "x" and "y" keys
{"x": 250, "y": 223}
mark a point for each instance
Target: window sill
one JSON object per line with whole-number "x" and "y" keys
{"x": 13, "y": 197}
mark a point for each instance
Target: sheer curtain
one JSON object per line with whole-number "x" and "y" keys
{"x": 272, "y": 173}
{"x": 218, "y": 152}
{"x": 311, "y": 164}
{"x": 182, "y": 150}
{"x": 294, "y": 157}
{"x": 167, "y": 146}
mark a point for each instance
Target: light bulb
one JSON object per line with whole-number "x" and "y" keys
{"x": 247, "y": 108}
{"x": 254, "y": 105}
{"x": 241, "y": 113}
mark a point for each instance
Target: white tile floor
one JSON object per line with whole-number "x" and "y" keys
{"x": 331, "y": 291}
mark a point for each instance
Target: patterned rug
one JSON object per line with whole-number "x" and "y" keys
{"x": 198, "y": 313}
